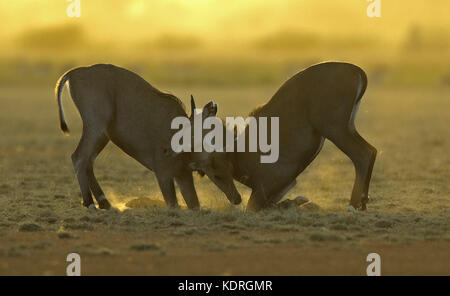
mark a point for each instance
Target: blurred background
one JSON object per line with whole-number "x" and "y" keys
{"x": 237, "y": 53}
{"x": 232, "y": 42}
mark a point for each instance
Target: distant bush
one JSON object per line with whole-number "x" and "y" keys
{"x": 53, "y": 38}
{"x": 419, "y": 38}
{"x": 287, "y": 40}
{"x": 169, "y": 41}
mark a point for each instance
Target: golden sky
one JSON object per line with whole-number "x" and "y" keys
{"x": 224, "y": 19}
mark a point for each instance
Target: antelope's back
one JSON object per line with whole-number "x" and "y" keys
{"x": 319, "y": 88}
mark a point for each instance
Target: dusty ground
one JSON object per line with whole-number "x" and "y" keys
{"x": 408, "y": 221}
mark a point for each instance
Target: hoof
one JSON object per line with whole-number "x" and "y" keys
{"x": 351, "y": 209}
{"x": 104, "y": 204}
{"x": 299, "y": 200}
{"x": 364, "y": 201}
{"x": 91, "y": 207}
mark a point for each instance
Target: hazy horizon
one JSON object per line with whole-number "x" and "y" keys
{"x": 215, "y": 21}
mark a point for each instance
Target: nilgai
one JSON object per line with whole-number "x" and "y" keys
{"x": 118, "y": 105}
{"x": 315, "y": 104}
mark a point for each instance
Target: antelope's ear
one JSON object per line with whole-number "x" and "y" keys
{"x": 210, "y": 109}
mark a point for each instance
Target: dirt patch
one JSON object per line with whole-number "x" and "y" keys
{"x": 127, "y": 254}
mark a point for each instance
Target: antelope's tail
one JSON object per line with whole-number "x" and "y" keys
{"x": 58, "y": 90}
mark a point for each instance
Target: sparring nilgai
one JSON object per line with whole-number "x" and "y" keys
{"x": 315, "y": 104}
{"x": 118, "y": 105}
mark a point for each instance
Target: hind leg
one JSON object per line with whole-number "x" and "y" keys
{"x": 103, "y": 203}
{"x": 363, "y": 156}
{"x": 96, "y": 112}
{"x": 82, "y": 160}
{"x": 372, "y": 153}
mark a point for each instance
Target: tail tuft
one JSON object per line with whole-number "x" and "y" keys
{"x": 58, "y": 90}
{"x": 64, "y": 128}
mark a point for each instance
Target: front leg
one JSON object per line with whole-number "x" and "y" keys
{"x": 258, "y": 200}
{"x": 187, "y": 188}
{"x": 168, "y": 190}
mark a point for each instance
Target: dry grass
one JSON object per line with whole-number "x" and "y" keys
{"x": 410, "y": 189}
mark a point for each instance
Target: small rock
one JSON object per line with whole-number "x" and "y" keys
{"x": 290, "y": 203}
{"x": 65, "y": 235}
{"x": 145, "y": 247}
{"x": 301, "y": 200}
{"x": 104, "y": 252}
{"x": 30, "y": 227}
{"x": 383, "y": 224}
